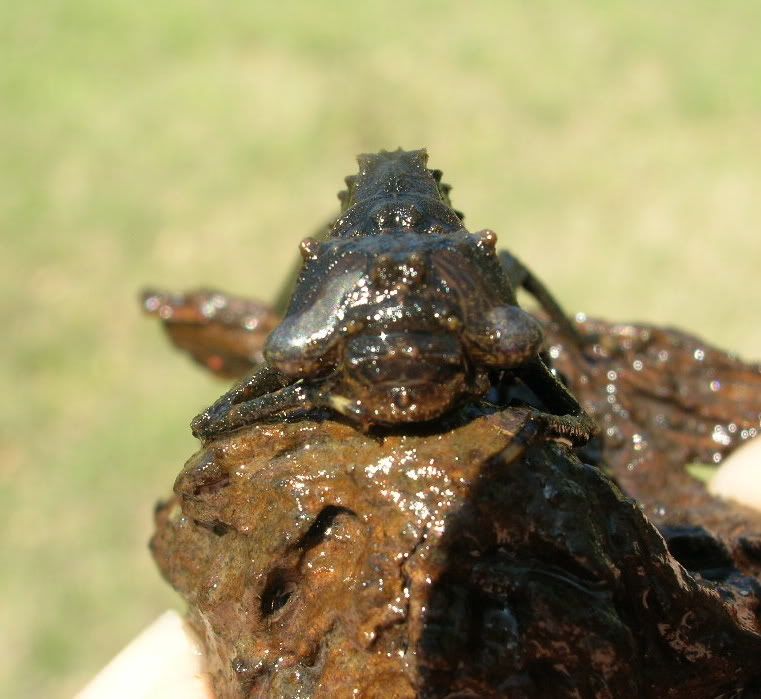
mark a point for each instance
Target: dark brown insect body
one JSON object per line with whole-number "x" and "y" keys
{"x": 399, "y": 315}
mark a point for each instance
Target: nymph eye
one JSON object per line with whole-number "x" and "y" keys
{"x": 309, "y": 247}
{"x": 486, "y": 239}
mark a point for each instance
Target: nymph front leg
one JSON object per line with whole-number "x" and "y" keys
{"x": 216, "y": 418}
{"x": 300, "y": 396}
{"x": 294, "y": 397}
{"x": 565, "y": 418}
{"x": 508, "y": 338}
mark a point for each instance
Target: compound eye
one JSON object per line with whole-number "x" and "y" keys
{"x": 503, "y": 337}
{"x": 298, "y": 351}
{"x": 306, "y": 341}
{"x": 309, "y": 248}
{"x": 486, "y": 239}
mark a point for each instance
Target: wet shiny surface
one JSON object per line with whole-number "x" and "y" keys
{"x": 397, "y": 263}
{"x": 665, "y": 399}
{"x": 320, "y": 562}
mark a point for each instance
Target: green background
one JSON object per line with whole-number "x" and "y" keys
{"x": 613, "y": 146}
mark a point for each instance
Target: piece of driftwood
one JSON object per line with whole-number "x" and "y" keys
{"x": 482, "y": 561}
{"x": 663, "y": 399}
{"x": 402, "y": 514}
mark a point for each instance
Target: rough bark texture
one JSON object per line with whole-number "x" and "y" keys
{"x": 480, "y": 561}
{"x": 664, "y": 399}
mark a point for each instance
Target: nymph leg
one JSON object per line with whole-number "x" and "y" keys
{"x": 565, "y": 417}
{"x": 219, "y": 417}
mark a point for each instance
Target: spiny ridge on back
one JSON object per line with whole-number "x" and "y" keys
{"x": 393, "y": 173}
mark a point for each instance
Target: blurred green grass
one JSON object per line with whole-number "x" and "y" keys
{"x": 614, "y": 146}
